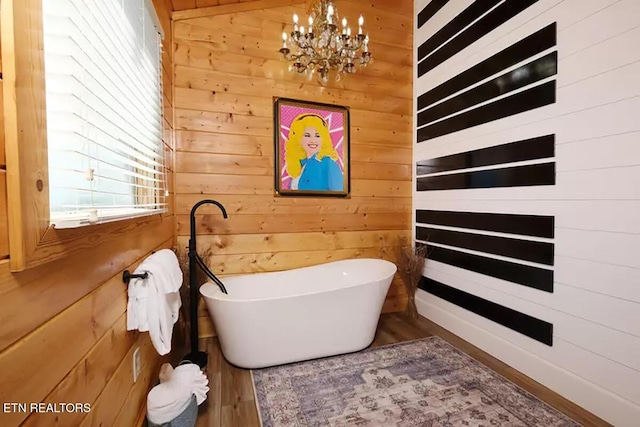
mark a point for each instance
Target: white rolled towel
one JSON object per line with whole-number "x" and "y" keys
{"x": 167, "y": 400}
{"x": 191, "y": 375}
{"x": 172, "y": 396}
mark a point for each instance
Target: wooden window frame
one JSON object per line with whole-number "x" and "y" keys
{"x": 32, "y": 240}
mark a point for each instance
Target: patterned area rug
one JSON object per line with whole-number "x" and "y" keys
{"x": 426, "y": 383}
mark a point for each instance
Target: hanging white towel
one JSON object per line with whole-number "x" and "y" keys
{"x": 154, "y": 303}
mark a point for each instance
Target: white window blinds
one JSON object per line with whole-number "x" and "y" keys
{"x": 104, "y": 110}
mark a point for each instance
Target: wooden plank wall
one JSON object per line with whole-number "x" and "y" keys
{"x": 4, "y": 223}
{"x": 63, "y": 331}
{"x": 227, "y": 72}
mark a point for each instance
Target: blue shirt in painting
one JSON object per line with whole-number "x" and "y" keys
{"x": 320, "y": 175}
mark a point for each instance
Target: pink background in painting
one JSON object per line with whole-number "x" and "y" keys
{"x": 334, "y": 119}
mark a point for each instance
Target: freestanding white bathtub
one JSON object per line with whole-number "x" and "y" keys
{"x": 276, "y": 318}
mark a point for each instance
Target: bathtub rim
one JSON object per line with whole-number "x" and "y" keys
{"x": 219, "y": 296}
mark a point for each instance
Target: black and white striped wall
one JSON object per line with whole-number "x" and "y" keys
{"x": 527, "y": 188}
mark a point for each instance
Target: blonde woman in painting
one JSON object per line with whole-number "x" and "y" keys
{"x": 311, "y": 160}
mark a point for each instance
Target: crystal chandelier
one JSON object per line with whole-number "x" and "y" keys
{"x": 323, "y": 47}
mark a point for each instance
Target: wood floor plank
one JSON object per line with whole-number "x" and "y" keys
{"x": 237, "y": 385}
{"x": 383, "y": 337}
{"x": 209, "y": 411}
{"x": 231, "y": 400}
{"x": 240, "y": 414}
{"x": 215, "y": 356}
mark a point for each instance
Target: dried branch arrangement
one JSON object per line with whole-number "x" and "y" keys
{"x": 410, "y": 267}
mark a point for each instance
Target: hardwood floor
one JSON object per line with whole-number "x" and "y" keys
{"x": 230, "y": 402}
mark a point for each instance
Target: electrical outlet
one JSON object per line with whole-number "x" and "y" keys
{"x": 136, "y": 364}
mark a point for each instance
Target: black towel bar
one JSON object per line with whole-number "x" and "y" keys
{"x": 127, "y": 276}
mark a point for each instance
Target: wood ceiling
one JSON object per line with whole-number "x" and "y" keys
{"x": 193, "y": 4}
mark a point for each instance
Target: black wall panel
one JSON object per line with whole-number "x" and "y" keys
{"x": 517, "y": 176}
{"x": 517, "y": 78}
{"x": 526, "y": 48}
{"x": 527, "y": 250}
{"x": 525, "y": 275}
{"x": 529, "y": 149}
{"x": 429, "y": 10}
{"x": 530, "y": 326}
{"x": 529, "y": 99}
{"x": 527, "y": 225}
{"x": 478, "y": 29}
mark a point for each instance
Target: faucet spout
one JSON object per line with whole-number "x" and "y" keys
{"x": 194, "y": 258}
{"x": 196, "y": 261}
{"x": 192, "y": 223}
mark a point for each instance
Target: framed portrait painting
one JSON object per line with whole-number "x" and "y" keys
{"x": 311, "y": 149}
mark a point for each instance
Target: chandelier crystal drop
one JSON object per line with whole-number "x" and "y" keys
{"x": 324, "y": 46}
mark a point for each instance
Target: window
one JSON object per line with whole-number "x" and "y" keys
{"x": 103, "y": 81}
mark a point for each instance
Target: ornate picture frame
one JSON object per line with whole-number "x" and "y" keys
{"x": 312, "y": 149}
